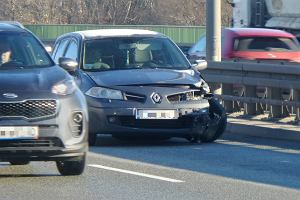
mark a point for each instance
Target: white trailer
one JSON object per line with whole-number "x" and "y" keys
{"x": 279, "y": 14}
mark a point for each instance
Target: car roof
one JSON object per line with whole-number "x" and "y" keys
{"x": 101, "y": 33}
{"x": 259, "y": 32}
{"x": 11, "y": 26}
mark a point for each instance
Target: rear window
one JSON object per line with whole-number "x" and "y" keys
{"x": 265, "y": 44}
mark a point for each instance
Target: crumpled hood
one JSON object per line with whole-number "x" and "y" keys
{"x": 30, "y": 80}
{"x": 144, "y": 77}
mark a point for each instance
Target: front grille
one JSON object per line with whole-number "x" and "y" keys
{"x": 135, "y": 97}
{"x": 41, "y": 142}
{"x": 186, "y": 96}
{"x": 128, "y": 121}
{"x": 29, "y": 109}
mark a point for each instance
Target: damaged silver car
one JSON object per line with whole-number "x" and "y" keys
{"x": 138, "y": 82}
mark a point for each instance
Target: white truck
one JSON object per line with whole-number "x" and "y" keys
{"x": 277, "y": 14}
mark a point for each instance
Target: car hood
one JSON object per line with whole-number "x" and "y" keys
{"x": 30, "y": 80}
{"x": 144, "y": 77}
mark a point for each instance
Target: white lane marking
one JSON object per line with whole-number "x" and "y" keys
{"x": 136, "y": 173}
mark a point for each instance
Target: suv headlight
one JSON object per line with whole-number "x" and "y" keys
{"x": 105, "y": 93}
{"x": 65, "y": 87}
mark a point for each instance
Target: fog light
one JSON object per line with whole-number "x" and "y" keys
{"x": 77, "y": 123}
{"x": 77, "y": 118}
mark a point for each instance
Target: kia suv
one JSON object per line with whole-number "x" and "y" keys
{"x": 43, "y": 114}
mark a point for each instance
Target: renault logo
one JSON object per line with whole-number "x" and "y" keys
{"x": 10, "y": 95}
{"x": 156, "y": 98}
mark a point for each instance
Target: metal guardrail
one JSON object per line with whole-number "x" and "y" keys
{"x": 256, "y": 88}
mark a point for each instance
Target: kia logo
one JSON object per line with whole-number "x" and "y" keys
{"x": 10, "y": 95}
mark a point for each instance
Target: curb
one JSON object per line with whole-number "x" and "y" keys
{"x": 263, "y": 129}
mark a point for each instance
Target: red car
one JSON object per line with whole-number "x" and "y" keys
{"x": 252, "y": 44}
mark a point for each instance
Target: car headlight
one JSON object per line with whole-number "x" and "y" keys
{"x": 202, "y": 84}
{"x": 65, "y": 87}
{"x": 105, "y": 93}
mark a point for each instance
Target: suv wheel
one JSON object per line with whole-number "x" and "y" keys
{"x": 71, "y": 167}
{"x": 19, "y": 162}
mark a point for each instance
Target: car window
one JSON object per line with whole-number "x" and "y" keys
{"x": 72, "y": 51}
{"x": 22, "y": 50}
{"x": 265, "y": 44}
{"x": 133, "y": 52}
{"x": 200, "y": 46}
{"x": 59, "y": 50}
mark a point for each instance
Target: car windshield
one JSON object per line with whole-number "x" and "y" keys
{"x": 265, "y": 44}
{"x": 132, "y": 53}
{"x": 21, "y": 50}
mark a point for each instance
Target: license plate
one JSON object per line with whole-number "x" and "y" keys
{"x": 18, "y": 132}
{"x": 156, "y": 114}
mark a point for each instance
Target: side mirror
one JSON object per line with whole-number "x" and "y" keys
{"x": 68, "y": 64}
{"x": 200, "y": 65}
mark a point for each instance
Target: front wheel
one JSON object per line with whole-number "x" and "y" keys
{"x": 216, "y": 112}
{"x": 71, "y": 167}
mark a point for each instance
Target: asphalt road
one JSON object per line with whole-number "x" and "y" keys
{"x": 235, "y": 167}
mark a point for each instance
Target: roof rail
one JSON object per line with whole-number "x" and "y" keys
{"x": 14, "y": 23}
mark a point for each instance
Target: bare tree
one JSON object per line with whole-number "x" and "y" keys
{"x": 165, "y": 12}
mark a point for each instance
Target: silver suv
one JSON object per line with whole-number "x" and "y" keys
{"x": 43, "y": 115}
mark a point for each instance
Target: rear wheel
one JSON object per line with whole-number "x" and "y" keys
{"x": 71, "y": 167}
{"x": 216, "y": 111}
{"x": 19, "y": 162}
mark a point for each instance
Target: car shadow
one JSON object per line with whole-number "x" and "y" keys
{"x": 21, "y": 171}
{"x": 27, "y": 175}
{"x": 239, "y": 157}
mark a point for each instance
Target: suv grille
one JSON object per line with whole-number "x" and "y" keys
{"x": 41, "y": 142}
{"x": 29, "y": 109}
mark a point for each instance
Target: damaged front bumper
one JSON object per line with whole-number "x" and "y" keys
{"x": 194, "y": 119}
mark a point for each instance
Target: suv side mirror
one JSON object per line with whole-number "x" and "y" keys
{"x": 200, "y": 65}
{"x": 68, "y": 64}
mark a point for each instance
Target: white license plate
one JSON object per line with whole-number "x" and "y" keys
{"x": 156, "y": 114}
{"x": 18, "y": 132}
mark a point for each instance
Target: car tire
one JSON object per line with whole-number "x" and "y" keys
{"x": 19, "y": 162}
{"x": 71, "y": 167}
{"x": 92, "y": 139}
{"x": 215, "y": 109}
